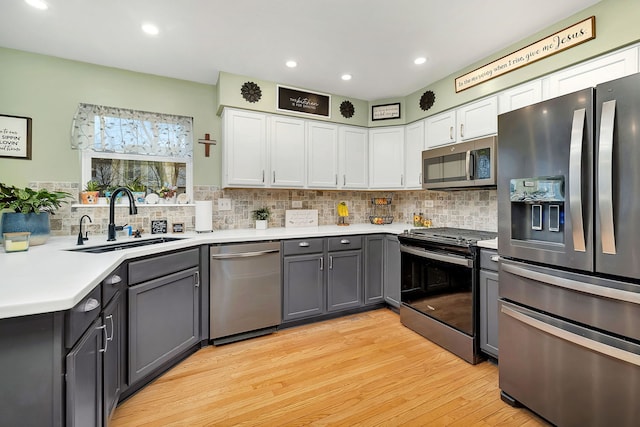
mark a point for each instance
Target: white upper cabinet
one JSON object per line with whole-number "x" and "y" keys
{"x": 591, "y": 73}
{"x": 322, "y": 155}
{"x": 287, "y": 152}
{"x": 479, "y": 118}
{"x": 353, "y": 158}
{"x": 441, "y": 129}
{"x": 386, "y": 158}
{"x": 244, "y": 149}
{"x": 413, "y": 144}
{"x": 520, "y": 96}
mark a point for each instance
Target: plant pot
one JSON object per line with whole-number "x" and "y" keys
{"x": 89, "y": 197}
{"x": 261, "y": 224}
{"x": 35, "y": 223}
{"x": 139, "y": 196}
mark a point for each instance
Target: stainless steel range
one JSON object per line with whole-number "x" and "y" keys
{"x": 439, "y": 287}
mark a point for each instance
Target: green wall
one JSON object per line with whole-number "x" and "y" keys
{"x": 48, "y": 90}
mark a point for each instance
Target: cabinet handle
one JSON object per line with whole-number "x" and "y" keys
{"x": 113, "y": 280}
{"x": 321, "y": 263}
{"x": 495, "y": 258}
{"x": 462, "y": 130}
{"x": 263, "y": 175}
{"x": 110, "y": 317}
{"x": 274, "y": 177}
{"x": 330, "y": 262}
{"x": 420, "y": 178}
{"x": 303, "y": 244}
{"x": 451, "y": 132}
{"x": 345, "y": 241}
{"x": 105, "y": 339}
{"x": 344, "y": 179}
{"x": 197, "y": 277}
{"x": 336, "y": 179}
{"x": 401, "y": 180}
{"x": 90, "y": 305}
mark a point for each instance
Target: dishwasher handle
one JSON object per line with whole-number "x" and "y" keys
{"x": 244, "y": 254}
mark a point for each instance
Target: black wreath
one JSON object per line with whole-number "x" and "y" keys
{"x": 347, "y": 109}
{"x": 251, "y": 92}
{"x": 427, "y": 99}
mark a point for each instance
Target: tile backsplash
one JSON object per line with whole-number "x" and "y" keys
{"x": 473, "y": 209}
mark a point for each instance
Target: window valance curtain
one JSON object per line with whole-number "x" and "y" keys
{"x": 118, "y": 130}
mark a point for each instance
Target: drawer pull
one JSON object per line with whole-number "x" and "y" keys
{"x": 113, "y": 280}
{"x": 303, "y": 244}
{"x": 495, "y": 258}
{"x": 90, "y": 305}
{"x": 345, "y": 241}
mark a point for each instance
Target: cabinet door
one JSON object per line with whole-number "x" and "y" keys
{"x": 374, "y": 269}
{"x": 520, "y": 96}
{"x": 112, "y": 320}
{"x": 244, "y": 159}
{"x": 440, "y": 129}
{"x": 414, "y": 145}
{"x": 163, "y": 321}
{"x": 322, "y": 155}
{"x": 84, "y": 378}
{"x": 592, "y": 73}
{"x": 392, "y": 271}
{"x": 478, "y": 119}
{"x": 303, "y": 290}
{"x": 344, "y": 280}
{"x": 489, "y": 312}
{"x": 353, "y": 157}
{"x": 287, "y": 148}
{"x": 386, "y": 158}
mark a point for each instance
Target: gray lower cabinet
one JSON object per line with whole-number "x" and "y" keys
{"x": 344, "y": 280}
{"x": 113, "y": 321}
{"x": 392, "y": 270}
{"x": 374, "y": 269}
{"x": 303, "y": 286}
{"x": 164, "y": 320}
{"x": 489, "y": 307}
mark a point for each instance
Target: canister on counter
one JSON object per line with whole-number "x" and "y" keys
{"x": 417, "y": 219}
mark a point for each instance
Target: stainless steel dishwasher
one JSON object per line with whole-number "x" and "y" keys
{"x": 246, "y": 291}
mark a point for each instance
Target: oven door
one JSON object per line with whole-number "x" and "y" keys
{"x": 439, "y": 285}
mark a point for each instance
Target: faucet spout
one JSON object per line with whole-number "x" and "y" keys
{"x": 133, "y": 210}
{"x": 81, "y": 239}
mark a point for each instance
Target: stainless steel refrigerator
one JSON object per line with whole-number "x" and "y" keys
{"x": 568, "y": 238}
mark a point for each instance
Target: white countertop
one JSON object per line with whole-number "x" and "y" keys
{"x": 489, "y": 244}
{"x": 50, "y": 278}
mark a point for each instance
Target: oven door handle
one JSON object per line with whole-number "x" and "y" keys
{"x": 451, "y": 259}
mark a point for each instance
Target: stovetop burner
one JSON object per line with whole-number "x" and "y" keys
{"x": 450, "y": 235}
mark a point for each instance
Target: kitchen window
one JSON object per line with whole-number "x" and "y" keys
{"x": 120, "y": 146}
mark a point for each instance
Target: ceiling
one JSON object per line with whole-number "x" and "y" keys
{"x": 375, "y": 41}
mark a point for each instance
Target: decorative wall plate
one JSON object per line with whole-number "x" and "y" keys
{"x": 151, "y": 199}
{"x": 347, "y": 109}
{"x": 251, "y": 92}
{"x": 427, "y": 100}
{"x": 182, "y": 199}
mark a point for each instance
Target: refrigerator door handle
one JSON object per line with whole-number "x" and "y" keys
{"x": 575, "y": 180}
{"x": 605, "y": 177}
{"x": 573, "y": 285}
{"x": 576, "y": 339}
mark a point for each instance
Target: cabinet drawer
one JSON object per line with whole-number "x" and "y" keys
{"x": 158, "y": 266}
{"x": 489, "y": 259}
{"x": 78, "y": 319}
{"x": 303, "y": 246}
{"x": 345, "y": 243}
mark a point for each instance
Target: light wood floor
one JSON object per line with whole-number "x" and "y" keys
{"x": 365, "y": 369}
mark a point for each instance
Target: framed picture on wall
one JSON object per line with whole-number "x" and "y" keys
{"x": 15, "y": 137}
{"x": 385, "y": 112}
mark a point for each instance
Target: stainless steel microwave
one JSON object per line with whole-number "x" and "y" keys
{"x": 464, "y": 165}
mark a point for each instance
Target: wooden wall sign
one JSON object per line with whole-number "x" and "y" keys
{"x": 300, "y": 101}
{"x": 570, "y": 37}
{"x": 15, "y": 137}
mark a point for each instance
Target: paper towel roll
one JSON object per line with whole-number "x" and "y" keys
{"x": 204, "y": 216}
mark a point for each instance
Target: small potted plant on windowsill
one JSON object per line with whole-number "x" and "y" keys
{"x": 138, "y": 189}
{"x": 262, "y": 216}
{"x": 91, "y": 193}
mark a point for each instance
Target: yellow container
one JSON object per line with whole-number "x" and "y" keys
{"x": 16, "y": 242}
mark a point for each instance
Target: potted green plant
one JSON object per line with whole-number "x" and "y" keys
{"x": 25, "y": 209}
{"x": 91, "y": 193}
{"x": 261, "y": 216}
{"x": 138, "y": 189}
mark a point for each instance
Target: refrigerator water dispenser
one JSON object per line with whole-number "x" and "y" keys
{"x": 537, "y": 208}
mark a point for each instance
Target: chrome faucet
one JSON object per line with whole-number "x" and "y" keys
{"x": 111, "y": 236}
{"x": 86, "y": 237}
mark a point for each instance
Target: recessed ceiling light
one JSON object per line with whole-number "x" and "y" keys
{"x": 346, "y": 77}
{"x": 292, "y": 64}
{"x": 420, "y": 60}
{"x": 38, "y": 4}
{"x": 150, "y": 29}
